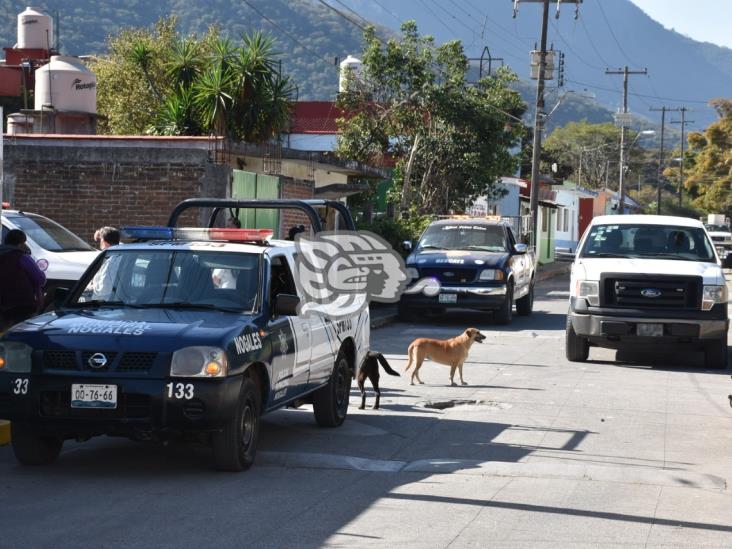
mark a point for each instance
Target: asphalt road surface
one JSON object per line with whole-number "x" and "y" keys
{"x": 534, "y": 452}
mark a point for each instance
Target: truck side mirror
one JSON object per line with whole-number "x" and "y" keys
{"x": 286, "y": 304}
{"x": 407, "y": 245}
{"x": 520, "y": 249}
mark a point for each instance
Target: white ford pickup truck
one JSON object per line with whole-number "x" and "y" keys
{"x": 643, "y": 282}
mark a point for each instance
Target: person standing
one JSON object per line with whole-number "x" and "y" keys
{"x": 21, "y": 281}
{"x": 103, "y": 282}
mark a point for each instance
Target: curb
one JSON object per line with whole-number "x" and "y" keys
{"x": 4, "y": 432}
{"x": 545, "y": 275}
{"x": 383, "y": 320}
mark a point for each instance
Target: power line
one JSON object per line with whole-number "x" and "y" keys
{"x": 397, "y": 19}
{"x": 635, "y": 94}
{"x": 290, "y": 36}
{"x": 591, "y": 41}
{"x": 612, "y": 32}
{"x": 354, "y": 13}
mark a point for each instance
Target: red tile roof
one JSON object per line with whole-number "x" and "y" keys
{"x": 314, "y": 117}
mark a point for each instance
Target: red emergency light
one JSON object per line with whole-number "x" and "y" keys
{"x": 6, "y": 205}
{"x": 227, "y": 235}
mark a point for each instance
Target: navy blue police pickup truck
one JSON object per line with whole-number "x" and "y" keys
{"x": 478, "y": 265}
{"x": 184, "y": 331}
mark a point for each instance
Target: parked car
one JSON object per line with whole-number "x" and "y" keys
{"x": 479, "y": 265}
{"x": 722, "y": 239}
{"x": 650, "y": 283}
{"x": 61, "y": 254}
{"x": 166, "y": 351}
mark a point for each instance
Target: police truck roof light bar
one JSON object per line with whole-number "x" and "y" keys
{"x": 6, "y": 205}
{"x": 148, "y": 233}
{"x": 227, "y": 235}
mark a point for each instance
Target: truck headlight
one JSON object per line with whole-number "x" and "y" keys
{"x": 199, "y": 362}
{"x": 713, "y": 295}
{"x": 491, "y": 274}
{"x": 412, "y": 273}
{"x": 15, "y": 357}
{"x": 589, "y": 290}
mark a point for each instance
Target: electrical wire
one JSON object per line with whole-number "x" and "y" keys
{"x": 595, "y": 86}
{"x": 290, "y": 35}
{"x": 612, "y": 32}
{"x": 396, "y": 18}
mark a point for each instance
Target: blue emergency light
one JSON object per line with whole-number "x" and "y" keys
{"x": 148, "y": 233}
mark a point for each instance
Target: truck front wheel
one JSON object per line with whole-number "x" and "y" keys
{"x": 576, "y": 348}
{"x": 505, "y": 313}
{"x": 235, "y": 446}
{"x": 31, "y": 448}
{"x": 715, "y": 355}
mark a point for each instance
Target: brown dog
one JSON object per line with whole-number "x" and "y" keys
{"x": 452, "y": 352}
{"x": 370, "y": 369}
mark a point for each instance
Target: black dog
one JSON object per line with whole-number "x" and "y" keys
{"x": 370, "y": 369}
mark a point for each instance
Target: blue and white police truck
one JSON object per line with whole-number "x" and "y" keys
{"x": 183, "y": 331}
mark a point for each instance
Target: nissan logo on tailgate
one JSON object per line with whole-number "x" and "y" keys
{"x": 650, "y": 292}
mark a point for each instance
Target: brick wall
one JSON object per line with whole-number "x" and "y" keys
{"x": 87, "y": 185}
{"x": 294, "y": 189}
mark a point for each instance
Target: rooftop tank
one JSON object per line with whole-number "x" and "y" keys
{"x": 35, "y": 30}
{"x": 65, "y": 83}
{"x": 354, "y": 66}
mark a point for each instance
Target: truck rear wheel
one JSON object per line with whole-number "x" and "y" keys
{"x": 330, "y": 403}
{"x": 715, "y": 355}
{"x": 576, "y": 348}
{"x": 31, "y": 448}
{"x": 235, "y": 446}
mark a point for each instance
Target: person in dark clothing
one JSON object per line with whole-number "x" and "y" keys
{"x": 21, "y": 281}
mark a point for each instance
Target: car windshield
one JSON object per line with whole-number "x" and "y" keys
{"x": 48, "y": 234}
{"x": 640, "y": 240}
{"x": 717, "y": 228}
{"x": 176, "y": 278}
{"x": 487, "y": 238}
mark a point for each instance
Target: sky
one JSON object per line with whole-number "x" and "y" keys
{"x": 703, "y": 20}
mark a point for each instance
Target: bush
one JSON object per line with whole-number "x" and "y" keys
{"x": 396, "y": 231}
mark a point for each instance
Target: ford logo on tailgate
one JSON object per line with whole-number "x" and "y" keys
{"x": 650, "y": 292}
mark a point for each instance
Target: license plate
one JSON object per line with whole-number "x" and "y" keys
{"x": 650, "y": 330}
{"x": 93, "y": 396}
{"x": 448, "y": 298}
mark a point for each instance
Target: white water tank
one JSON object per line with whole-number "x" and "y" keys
{"x": 66, "y": 84}
{"x": 35, "y": 30}
{"x": 19, "y": 123}
{"x": 353, "y": 66}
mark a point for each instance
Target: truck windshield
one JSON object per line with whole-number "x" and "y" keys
{"x": 175, "y": 278}
{"x": 487, "y": 238}
{"x": 49, "y": 235}
{"x": 717, "y": 228}
{"x": 639, "y": 240}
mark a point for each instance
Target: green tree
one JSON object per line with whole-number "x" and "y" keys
{"x": 709, "y": 163}
{"x": 597, "y": 148}
{"x": 412, "y": 105}
{"x": 193, "y": 86}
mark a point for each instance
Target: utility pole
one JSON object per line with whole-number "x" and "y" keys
{"x": 623, "y": 124}
{"x": 539, "y": 115}
{"x": 663, "y": 110}
{"x": 683, "y": 123}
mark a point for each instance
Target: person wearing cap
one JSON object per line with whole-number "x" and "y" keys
{"x": 21, "y": 281}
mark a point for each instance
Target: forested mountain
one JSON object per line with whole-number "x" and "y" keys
{"x": 311, "y": 36}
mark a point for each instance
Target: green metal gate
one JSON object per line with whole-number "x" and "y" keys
{"x": 246, "y": 185}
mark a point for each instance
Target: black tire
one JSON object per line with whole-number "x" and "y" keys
{"x": 504, "y": 315}
{"x": 30, "y": 448}
{"x": 715, "y": 355}
{"x": 576, "y": 348}
{"x": 330, "y": 403}
{"x": 235, "y": 446}
{"x": 525, "y": 305}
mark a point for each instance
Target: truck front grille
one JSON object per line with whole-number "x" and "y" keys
{"x": 69, "y": 360}
{"x": 449, "y": 275}
{"x": 658, "y": 292}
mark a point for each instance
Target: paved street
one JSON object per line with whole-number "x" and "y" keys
{"x": 534, "y": 452}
